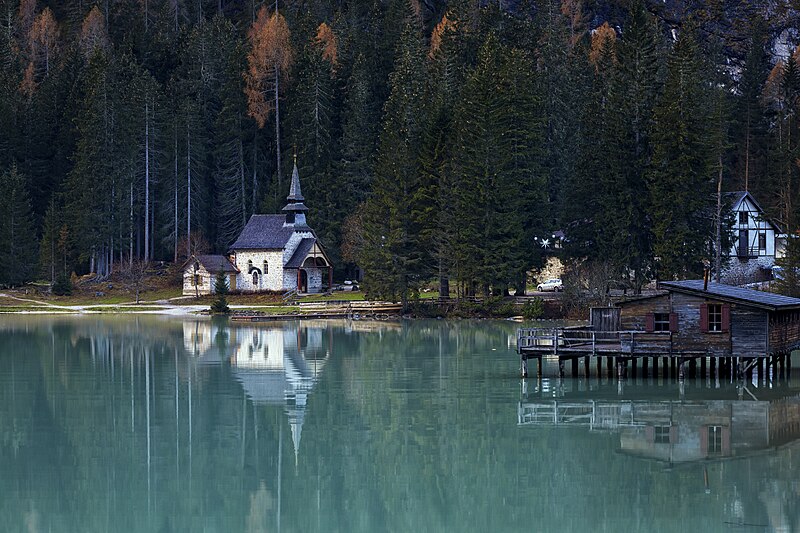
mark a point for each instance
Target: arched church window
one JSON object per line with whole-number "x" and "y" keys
{"x": 249, "y": 265}
{"x": 255, "y": 277}
{"x": 266, "y": 267}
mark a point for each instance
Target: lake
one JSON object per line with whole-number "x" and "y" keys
{"x": 145, "y": 423}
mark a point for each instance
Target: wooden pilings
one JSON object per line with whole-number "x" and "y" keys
{"x": 777, "y": 366}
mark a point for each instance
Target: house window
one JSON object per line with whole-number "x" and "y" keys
{"x": 661, "y": 435}
{"x": 742, "y": 217}
{"x": 266, "y": 267}
{"x": 661, "y": 322}
{"x": 714, "y": 440}
{"x": 255, "y": 278}
{"x": 714, "y": 317}
{"x": 762, "y": 241}
{"x": 196, "y": 280}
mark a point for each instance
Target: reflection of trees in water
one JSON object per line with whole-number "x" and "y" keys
{"x": 406, "y": 428}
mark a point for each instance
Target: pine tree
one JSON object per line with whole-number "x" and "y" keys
{"x": 750, "y": 127}
{"x": 391, "y": 258}
{"x": 220, "y": 304}
{"x": 18, "y": 242}
{"x": 681, "y": 178}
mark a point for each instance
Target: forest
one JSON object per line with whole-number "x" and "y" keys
{"x": 437, "y": 142}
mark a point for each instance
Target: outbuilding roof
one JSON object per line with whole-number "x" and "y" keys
{"x": 720, "y": 291}
{"x": 213, "y": 263}
{"x": 264, "y": 232}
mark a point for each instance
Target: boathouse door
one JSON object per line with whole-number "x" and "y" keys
{"x": 604, "y": 318}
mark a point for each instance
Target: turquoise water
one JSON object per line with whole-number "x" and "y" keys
{"x": 163, "y": 424}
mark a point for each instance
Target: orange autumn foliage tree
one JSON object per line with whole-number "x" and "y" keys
{"x": 268, "y": 62}
{"x": 444, "y": 25}
{"x": 602, "y": 35}
{"x": 42, "y": 46}
{"x": 326, "y": 40}
{"x": 573, "y": 10}
{"x": 94, "y": 35}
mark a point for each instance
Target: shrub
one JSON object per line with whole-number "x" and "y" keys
{"x": 533, "y": 310}
{"x": 62, "y": 286}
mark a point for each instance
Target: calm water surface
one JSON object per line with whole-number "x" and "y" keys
{"x": 155, "y": 424}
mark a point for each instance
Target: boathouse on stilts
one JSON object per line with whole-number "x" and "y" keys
{"x": 725, "y": 330}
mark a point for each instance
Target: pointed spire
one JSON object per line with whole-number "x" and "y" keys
{"x": 294, "y": 191}
{"x": 295, "y": 210}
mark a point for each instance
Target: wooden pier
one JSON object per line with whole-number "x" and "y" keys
{"x": 619, "y": 353}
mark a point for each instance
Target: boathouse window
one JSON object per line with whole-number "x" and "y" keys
{"x": 742, "y": 217}
{"x": 715, "y": 318}
{"x": 661, "y": 435}
{"x": 714, "y": 440}
{"x": 661, "y": 322}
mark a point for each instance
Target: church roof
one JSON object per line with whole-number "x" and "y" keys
{"x": 266, "y": 232}
{"x": 300, "y": 253}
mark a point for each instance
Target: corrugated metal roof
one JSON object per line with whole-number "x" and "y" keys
{"x": 216, "y": 263}
{"x": 755, "y": 298}
{"x": 300, "y": 253}
{"x": 264, "y": 232}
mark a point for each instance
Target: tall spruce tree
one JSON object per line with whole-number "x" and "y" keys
{"x": 18, "y": 242}
{"x": 681, "y": 180}
{"x": 391, "y": 258}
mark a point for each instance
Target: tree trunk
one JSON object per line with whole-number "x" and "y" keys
{"x": 277, "y": 126}
{"x": 718, "y": 236}
{"x": 146, "y": 175}
{"x": 188, "y": 185}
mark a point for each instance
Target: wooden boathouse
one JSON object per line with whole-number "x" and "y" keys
{"x": 729, "y": 328}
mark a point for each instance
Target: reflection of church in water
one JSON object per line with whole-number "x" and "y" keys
{"x": 276, "y": 365}
{"x": 675, "y": 431}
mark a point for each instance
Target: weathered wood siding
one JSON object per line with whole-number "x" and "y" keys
{"x": 604, "y": 318}
{"x": 632, "y": 316}
{"x": 689, "y": 338}
{"x": 784, "y": 330}
{"x": 748, "y": 331}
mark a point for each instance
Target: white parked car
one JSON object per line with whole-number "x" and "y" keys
{"x": 550, "y": 285}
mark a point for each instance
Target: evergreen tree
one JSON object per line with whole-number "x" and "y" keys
{"x": 18, "y": 242}
{"x": 499, "y": 186}
{"x": 750, "y": 125}
{"x": 681, "y": 178}
{"x": 220, "y": 304}
{"x": 392, "y": 261}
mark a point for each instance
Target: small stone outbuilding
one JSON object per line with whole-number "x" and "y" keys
{"x": 200, "y": 274}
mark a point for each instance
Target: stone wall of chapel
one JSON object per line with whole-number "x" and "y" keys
{"x": 271, "y": 281}
{"x": 314, "y": 279}
{"x": 291, "y": 244}
{"x": 290, "y": 279}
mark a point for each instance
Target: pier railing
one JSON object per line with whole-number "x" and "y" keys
{"x": 588, "y": 341}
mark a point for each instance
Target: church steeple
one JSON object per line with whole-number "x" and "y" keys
{"x": 295, "y": 209}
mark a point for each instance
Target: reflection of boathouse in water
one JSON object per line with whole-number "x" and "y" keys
{"x": 274, "y": 365}
{"x": 675, "y": 431}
